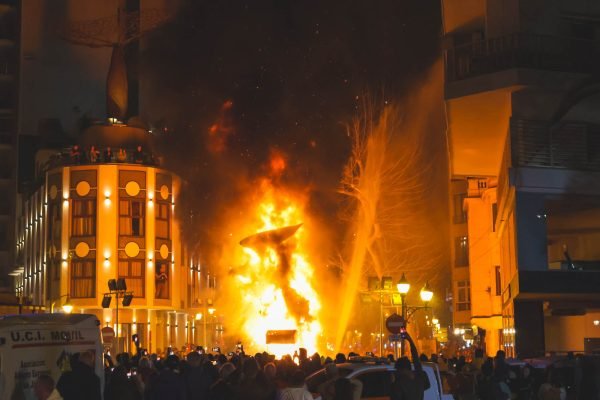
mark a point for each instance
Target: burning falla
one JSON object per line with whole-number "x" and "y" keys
{"x": 274, "y": 239}
{"x": 275, "y": 280}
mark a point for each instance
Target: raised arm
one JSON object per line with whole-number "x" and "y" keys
{"x": 414, "y": 354}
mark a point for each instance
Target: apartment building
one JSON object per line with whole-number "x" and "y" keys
{"x": 522, "y": 102}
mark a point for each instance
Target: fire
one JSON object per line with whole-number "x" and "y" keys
{"x": 276, "y": 278}
{"x": 278, "y": 162}
{"x": 219, "y": 132}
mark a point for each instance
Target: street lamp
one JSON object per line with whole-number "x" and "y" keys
{"x": 403, "y": 285}
{"x": 67, "y": 307}
{"x": 384, "y": 287}
{"x": 426, "y": 293}
{"x": 117, "y": 287}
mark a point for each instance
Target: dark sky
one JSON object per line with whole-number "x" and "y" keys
{"x": 295, "y": 72}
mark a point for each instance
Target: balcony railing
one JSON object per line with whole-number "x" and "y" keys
{"x": 569, "y": 145}
{"x": 67, "y": 157}
{"x": 522, "y": 50}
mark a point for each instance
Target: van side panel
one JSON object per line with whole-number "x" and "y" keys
{"x": 30, "y": 350}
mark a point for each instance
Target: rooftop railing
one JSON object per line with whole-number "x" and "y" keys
{"x": 522, "y": 50}
{"x": 69, "y": 157}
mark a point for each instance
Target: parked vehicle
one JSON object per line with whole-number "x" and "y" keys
{"x": 36, "y": 344}
{"x": 377, "y": 379}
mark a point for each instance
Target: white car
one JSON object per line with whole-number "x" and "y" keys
{"x": 377, "y": 380}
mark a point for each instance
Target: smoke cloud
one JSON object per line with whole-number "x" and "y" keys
{"x": 237, "y": 90}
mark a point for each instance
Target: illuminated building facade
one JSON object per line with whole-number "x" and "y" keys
{"x": 524, "y": 134}
{"x": 99, "y": 217}
{"x": 81, "y": 222}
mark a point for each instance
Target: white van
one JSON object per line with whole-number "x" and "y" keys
{"x": 36, "y": 344}
{"x": 377, "y": 380}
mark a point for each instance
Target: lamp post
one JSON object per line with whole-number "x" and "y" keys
{"x": 117, "y": 287}
{"x": 384, "y": 287}
{"x": 403, "y": 287}
{"x": 67, "y": 307}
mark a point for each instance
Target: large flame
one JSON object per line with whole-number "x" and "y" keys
{"x": 278, "y": 294}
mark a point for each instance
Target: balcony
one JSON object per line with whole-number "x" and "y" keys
{"x": 573, "y": 146}
{"x": 66, "y": 157}
{"x": 522, "y": 50}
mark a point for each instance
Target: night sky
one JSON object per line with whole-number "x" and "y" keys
{"x": 284, "y": 76}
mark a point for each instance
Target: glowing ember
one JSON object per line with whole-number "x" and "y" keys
{"x": 275, "y": 281}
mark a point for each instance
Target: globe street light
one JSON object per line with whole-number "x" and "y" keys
{"x": 426, "y": 293}
{"x": 426, "y": 296}
{"x": 67, "y": 307}
{"x": 403, "y": 285}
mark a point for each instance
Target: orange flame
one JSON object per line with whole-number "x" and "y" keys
{"x": 278, "y": 162}
{"x": 267, "y": 290}
{"x": 219, "y": 132}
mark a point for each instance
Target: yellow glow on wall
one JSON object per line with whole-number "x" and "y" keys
{"x": 150, "y": 258}
{"x": 106, "y": 258}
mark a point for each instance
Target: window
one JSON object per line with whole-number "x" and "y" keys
{"x": 498, "y": 281}
{"x": 162, "y": 221}
{"x": 133, "y": 272}
{"x": 582, "y": 30}
{"x": 494, "y": 216}
{"x": 161, "y": 281}
{"x": 3, "y": 237}
{"x": 460, "y": 216}
{"x": 54, "y": 225}
{"x": 84, "y": 217}
{"x": 375, "y": 384}
{"x": 463, "y": 298}
{"x": 83, "y": 278}
{"x": 131, "y": 217}
{"x": 461, "y": 251}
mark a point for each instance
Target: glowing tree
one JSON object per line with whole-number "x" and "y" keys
{"x": 386, "y": 180}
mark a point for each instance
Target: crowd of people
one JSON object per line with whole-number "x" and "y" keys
{"x": 238, "y": 376}
{"x": 92, "y": 155}
{"x": 496, "y": 378}
{"x": 215, "y": 376}
{"x": 197, "y": 376}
